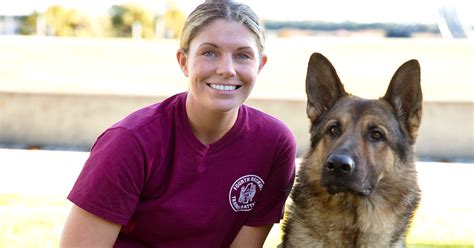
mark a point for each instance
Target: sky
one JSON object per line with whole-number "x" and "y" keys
{"x": 362, "y": 11}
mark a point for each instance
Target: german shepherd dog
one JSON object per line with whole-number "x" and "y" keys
{"x": 357, "y": 185}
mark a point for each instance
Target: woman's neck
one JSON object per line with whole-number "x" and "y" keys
{"x": 207, "y": 125}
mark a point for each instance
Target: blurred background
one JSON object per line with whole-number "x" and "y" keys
{"x": 70, "y": 69}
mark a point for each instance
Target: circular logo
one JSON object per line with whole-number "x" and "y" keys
{"x": 243, "y": 191}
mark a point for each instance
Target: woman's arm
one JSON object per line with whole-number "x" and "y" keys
{"x": 83, "y": 229}
{"x": 251, "y": 237}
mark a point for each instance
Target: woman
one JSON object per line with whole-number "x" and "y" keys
{"x": 200, "y": 169}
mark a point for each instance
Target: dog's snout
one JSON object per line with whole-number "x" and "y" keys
{"x": 340, "y": 164}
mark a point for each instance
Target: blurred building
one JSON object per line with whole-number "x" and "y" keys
{"x": 10, "y": 17}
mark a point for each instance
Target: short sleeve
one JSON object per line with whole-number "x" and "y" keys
{"x": 271, "y": 203}
{"x": 112, "y": 178}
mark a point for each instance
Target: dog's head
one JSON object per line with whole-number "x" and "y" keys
{"x": 360, "y": 141}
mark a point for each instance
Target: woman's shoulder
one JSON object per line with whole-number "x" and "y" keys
{"x": 265, "y": 123}
{"x": 136, "y": 128}
{"x": 161, "y": 112}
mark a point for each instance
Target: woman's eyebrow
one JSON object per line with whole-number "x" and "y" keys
{"x": 208, "y": 44}
{"x": 244, "y": 48}
{"x": 214, "y": 45}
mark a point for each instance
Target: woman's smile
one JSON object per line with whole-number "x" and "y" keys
{"x": 224, "y": 87}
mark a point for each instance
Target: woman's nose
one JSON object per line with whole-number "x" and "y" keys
{"x": 225, "y": 66}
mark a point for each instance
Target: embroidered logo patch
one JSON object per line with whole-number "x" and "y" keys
{"x": 243, "y": 191}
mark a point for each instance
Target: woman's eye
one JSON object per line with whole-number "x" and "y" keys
{"x": 209, "y": 54}
{"x": 376, "y": 136}
{"x": 243, "y": 56}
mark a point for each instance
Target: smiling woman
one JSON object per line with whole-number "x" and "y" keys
{"x": 222, "y": 63}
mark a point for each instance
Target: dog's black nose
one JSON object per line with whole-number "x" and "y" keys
{"x": 340, "y": 163}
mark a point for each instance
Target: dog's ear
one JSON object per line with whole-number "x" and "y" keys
{"x": 323, "y": 86}
{"x": 405, "y": 96}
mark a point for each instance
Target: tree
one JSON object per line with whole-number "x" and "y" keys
{"x": 173, "y": 21}
{"x": 28, "y": 24}
{"x": 125, "y": 17}
{"x": 66, "y": 22}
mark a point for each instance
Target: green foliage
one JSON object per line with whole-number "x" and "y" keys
{"x": 28, "y": 24}
{"x": 124, "y": 17}
{"x": 66, "y": 22}
{"x": 174, "y": 21}
{"x": 123, "y": 20}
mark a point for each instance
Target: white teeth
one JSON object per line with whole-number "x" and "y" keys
{"x": 223, "y": 87}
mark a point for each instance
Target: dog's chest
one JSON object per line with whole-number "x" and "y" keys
{"x": 347, "y": 223}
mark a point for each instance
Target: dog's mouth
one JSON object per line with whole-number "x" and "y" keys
{"x": 335, "y": 188}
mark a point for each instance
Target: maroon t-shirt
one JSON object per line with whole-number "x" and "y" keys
{"x": 150, "y": 174}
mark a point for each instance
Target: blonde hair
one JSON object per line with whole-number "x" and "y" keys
{"x": 212, "y": 10}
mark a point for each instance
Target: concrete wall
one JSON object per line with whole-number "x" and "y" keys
{"x": 75, "y": 120}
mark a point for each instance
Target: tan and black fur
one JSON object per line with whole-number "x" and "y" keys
{"x": 357, "y": 185}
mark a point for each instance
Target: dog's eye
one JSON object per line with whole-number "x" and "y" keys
{"x": 334, "y": 130}
{"x": 376, "y": 136}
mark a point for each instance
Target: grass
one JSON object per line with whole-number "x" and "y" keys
{"x": 36, "y": 221}
{"x": 31, "y": 221}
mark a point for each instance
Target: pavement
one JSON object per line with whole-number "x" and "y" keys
{"x": 47, "y": 172}
{"x": 39, "y": 172}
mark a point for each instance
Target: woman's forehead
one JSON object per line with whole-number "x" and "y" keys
{"x": 225, "y": 32}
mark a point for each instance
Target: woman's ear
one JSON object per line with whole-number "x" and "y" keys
{"x": 263, "y": 61}
{"x": 182, "y": 61}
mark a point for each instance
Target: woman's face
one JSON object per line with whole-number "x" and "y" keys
{"x": 222, "y": 64}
